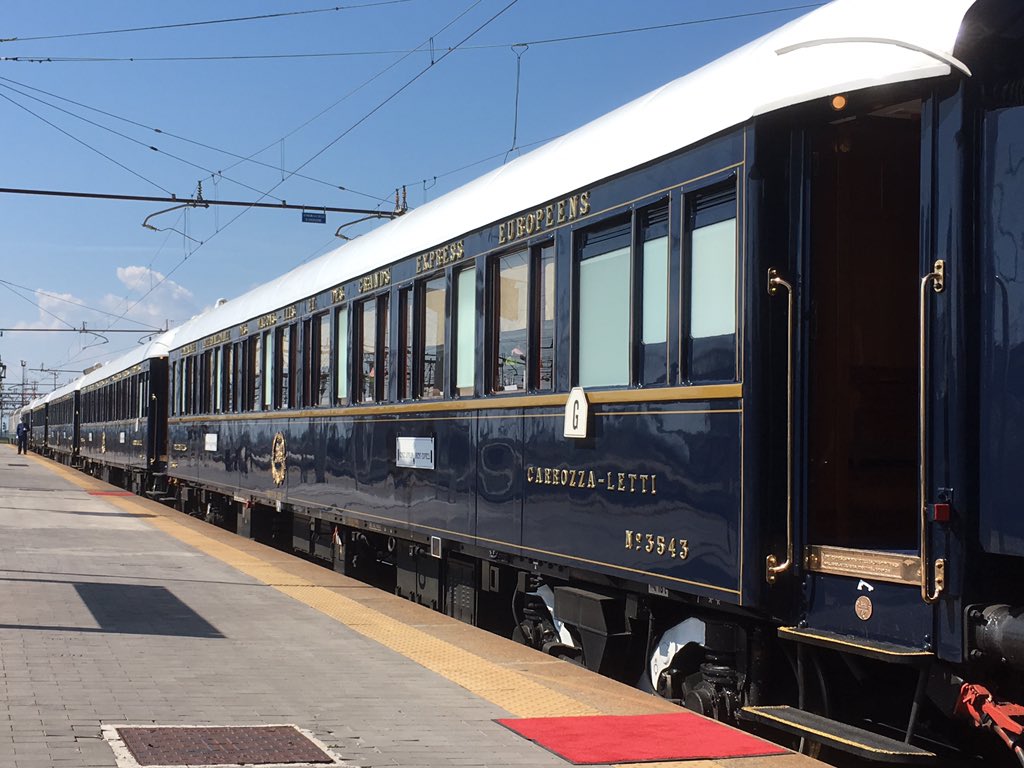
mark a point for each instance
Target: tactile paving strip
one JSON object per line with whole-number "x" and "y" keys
{"x": 220, "y": 745}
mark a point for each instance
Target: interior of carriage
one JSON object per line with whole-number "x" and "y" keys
{"x": 863, "y": 333}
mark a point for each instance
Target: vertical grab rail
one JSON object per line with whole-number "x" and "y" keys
{"x": 937, "y": 279}
{"x": 772, "y": 565}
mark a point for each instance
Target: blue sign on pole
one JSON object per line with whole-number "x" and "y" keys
{"x": 314, "y": 217}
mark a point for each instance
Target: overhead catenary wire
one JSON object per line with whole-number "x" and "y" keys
{"x": 518, "y": 49}
{"x": 65, "y": 300}
{"x": 390, "y": 52}
{"x": 85, "y": 144}
{"x": 362, "y": 85}
{"x": 133, "y": 140}
{"x": 249, "y": 158}
{"x": 344, "y": 133}
{"x": 433, "y": 179}
{"x": 171, "y": 134}
{"x": 207, "y": 22}
{"x": 36, "y": 304}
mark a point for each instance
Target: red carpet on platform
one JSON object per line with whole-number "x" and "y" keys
{"x": 639, "y": 738}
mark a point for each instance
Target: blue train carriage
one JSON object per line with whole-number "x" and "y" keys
{"x": 36, "y": 414}
{"x": 122, "y": 418}
{"x": 716, "y": 392}
{"x": 62, "y": 407}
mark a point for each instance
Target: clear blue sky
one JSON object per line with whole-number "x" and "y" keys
{"x": 459, "y": 112}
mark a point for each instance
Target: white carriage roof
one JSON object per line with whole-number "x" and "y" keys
{"x": 844, "y": 46}
{"x": 157, "y": 347}
{"x": 66, "y": 389}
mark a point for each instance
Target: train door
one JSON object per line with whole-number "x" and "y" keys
{"x": 861, "y": 334}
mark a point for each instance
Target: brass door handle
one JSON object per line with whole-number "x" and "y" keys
{"x": 772, "y": 565}
{"x": 937, "y": 279}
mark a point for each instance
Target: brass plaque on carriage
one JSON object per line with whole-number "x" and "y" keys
{"x": 892, "y": 567}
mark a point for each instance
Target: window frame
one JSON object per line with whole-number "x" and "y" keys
{"x": 420, "y": 348}
{"x": 705, "y": 206}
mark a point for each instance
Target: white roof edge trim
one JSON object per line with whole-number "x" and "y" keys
{"x": 952, "y": 61}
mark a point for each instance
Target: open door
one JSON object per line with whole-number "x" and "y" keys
{"x": 862, "y": 295}
{"x": 863, "y": 339}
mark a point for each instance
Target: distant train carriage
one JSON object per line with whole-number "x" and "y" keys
{"x": 717, "y": 393}
{"x": 123, "y": 415}
{"x": 62, "y": 424}
{"x": 36, "y": 413}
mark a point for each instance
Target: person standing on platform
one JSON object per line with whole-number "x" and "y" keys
{"x": 22, "y": 437}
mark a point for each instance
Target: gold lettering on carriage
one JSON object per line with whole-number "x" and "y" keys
{"x": 337, "y": 294}
{"x": 379, "y": 279}
{"x": 216, "y": 339}
{"x": 440, "y": 257}
{"x": 189, "y": 349}
{"x": 613, "y": 482}
{"x": 267, "y": 320}
{"x": 544, "y": 218}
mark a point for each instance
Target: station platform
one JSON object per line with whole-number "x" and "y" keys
{"x": 118, "y": 611}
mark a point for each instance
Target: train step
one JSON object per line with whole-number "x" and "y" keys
{"x": 837, "y": 735}
{"x": 858, "y": 646}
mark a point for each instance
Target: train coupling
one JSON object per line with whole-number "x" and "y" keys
{"x": 1004, "y": 718}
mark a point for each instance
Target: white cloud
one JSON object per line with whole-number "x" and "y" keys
{"x": 54, "y": 308}
{"x": 167, "y": 300}
{"x": 143, "y": 279}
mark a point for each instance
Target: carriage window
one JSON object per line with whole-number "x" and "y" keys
{"x": 269, "y": 369}
{"x": 368, "y": 344}
{"x": 524, "y": 324}
{"x": 175, "y": 388}
{"x": 465, "y": 329}
{"x": 654, "y": 297}
{"x": 188, "y": 379}
{"x": 433, "y": 338}
{"x": 237, "y": 378}
{"x": 712, "y": 288}
{"x": 255, "y": 371}
{"x": 341, "y": 342}
{"x": 281, "y": 344}
{"x": 384, "y": 332}
{"x": 545, "y": 337}
{"x": 406, "y": 317}
{"x": 323, "y": 369}
{"x": 229, "y": 377}
{"x": 512, "y": 289}
{"x": 604, "y": 301}
{"x": 207, "y": 381}
{"x": 218, "y": 379}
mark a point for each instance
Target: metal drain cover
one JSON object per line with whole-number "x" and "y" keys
{"x": 208, "y": 746}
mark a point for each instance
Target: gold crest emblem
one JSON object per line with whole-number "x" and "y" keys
{"x": 278, "y": 459}
{"x": 863, "y": 608}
